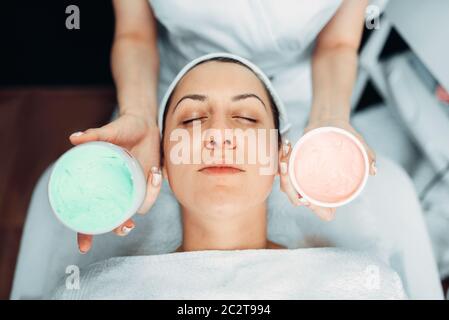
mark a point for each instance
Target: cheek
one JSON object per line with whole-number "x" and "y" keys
{"x": 182, "y": 181}
{"x": 263, "y": 155}
{"x": 257, "y": 188}
{"x": 177, "y": 173}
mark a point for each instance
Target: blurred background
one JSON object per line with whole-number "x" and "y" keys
{"x": 55, "y": 81}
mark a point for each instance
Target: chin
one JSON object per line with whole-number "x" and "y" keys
{"x": 222, "y": 201}
{"x": 223, "y": 209}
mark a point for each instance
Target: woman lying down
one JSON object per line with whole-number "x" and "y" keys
{"x": 225, "y": 252}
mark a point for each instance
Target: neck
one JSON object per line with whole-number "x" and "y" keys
{"x": 220, "y": 231}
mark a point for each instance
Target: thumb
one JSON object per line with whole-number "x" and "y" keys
{"x": 97, "y": 134}
{"x": 154, "y": 182}
{"x": 326, "y": 214}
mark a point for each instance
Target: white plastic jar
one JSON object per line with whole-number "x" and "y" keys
{"x": 95, "y": 187}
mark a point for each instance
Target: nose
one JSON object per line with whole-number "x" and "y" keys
{"x": 220, "y": 140}
{"x": 219, "y": 133}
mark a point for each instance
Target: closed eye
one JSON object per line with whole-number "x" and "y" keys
{"x": 192, "y": 119}
{"x": 246, "y": 118}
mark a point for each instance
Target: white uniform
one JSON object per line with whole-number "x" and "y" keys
{"x": 276, "y": 36}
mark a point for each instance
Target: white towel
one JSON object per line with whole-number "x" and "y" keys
{"x": 323, "y": 273}
{"x": 391, "y": 229}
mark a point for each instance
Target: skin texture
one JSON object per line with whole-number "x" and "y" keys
{"x": 220, "y": 211}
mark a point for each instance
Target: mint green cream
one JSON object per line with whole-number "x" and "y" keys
{"x": 91, "y": 189}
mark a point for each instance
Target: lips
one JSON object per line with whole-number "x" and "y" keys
{"x": 220, "y": 169}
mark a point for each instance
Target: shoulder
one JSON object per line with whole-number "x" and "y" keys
{"x": 274, "y": 245}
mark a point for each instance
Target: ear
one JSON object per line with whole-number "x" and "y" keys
{"x": 279, "y": 158}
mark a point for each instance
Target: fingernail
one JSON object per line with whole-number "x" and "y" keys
{"x": 304, "y": 201}
{"x": 373, "y": 166}
{"x": 283, "y": 168}
{"x": 127, "y": 227}
{"x": 156, "y": 176}
{"x": 126, "y": 230}
{"x": 76, "y": 134}
{"x": 286, "y": 147}
{"x": 298, "y": 203}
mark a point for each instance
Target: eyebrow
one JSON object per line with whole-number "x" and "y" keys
{"x": 247, "y": 96}
{"x": 197, "y": 97}
{"x": 202, "y": 98}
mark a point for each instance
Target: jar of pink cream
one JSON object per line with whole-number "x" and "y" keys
{"x": 328, "y": 167}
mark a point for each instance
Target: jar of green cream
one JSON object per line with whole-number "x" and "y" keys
{"x": 95, "y": 187}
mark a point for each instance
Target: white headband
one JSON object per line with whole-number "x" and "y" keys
{"x": 284, "y": 125}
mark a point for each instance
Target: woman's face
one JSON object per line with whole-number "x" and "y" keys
{"x": 225, "y": 103}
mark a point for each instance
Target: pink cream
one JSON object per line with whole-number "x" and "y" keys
{"x": 329, "y": 167}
